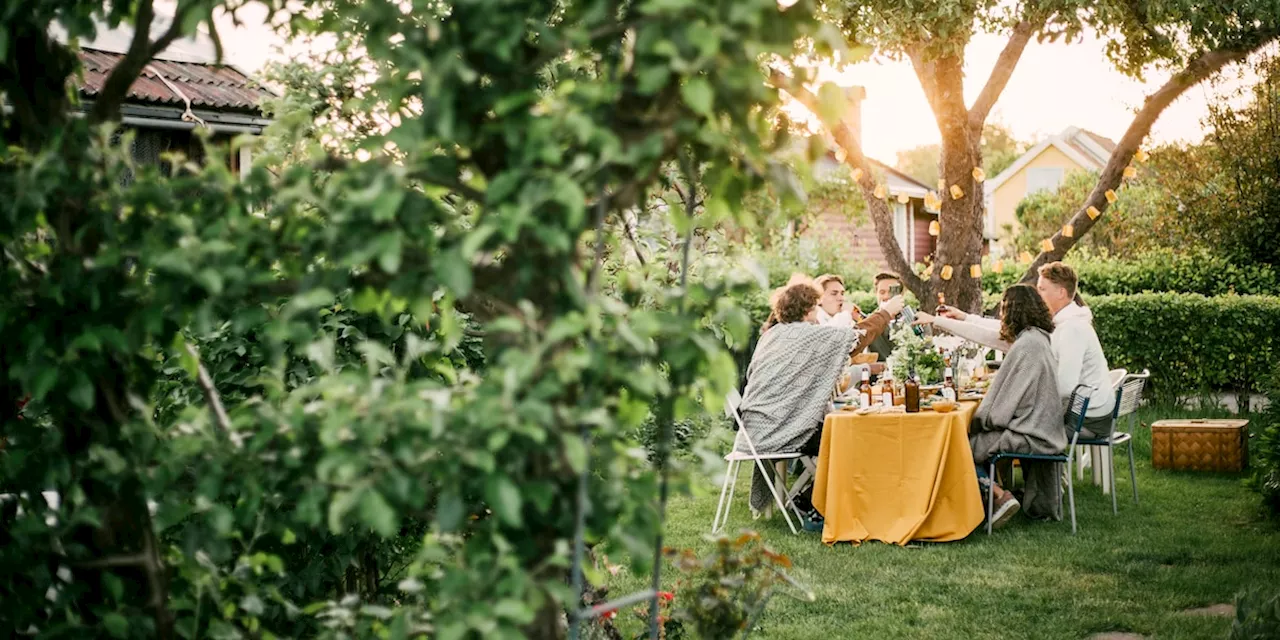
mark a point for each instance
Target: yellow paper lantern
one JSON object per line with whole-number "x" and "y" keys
{"x": 903, "y": 198}
{"x": 880, "y": 192}
{"x": 978, "y": 174}
{"x": 1141, "y": 155}
{"x": 1046, "y": 245}
{"x": 956, "y": 192}
{"x": 975, "y": 271}
{"x": 840, "y": 154}
{"x": 931, "y": 201}
{"x": 1130, "y": 173}
{"x": 946, "y": 272}
{"x": 1024, "y": 257}
{"x": 1093, "y": 213}
{"x": 998, "y": 267}
{"x": 1111, "y": 196}
{"x": 1068, "y": 231}
{"x": 934, "y": 228}
{"x": 857, "y": 175}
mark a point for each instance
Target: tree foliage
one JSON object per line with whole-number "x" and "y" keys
{"x": 263, "y": 403}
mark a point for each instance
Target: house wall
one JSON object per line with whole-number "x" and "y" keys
{"x": 1006, "y": 198}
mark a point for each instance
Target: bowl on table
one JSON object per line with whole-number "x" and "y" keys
{"x": 944, "y": 406}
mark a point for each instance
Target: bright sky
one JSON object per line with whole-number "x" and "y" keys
{"x": 1055, "y": 86}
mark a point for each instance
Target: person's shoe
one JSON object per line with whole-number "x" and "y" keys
{"x": 1005, "y": 509}
{"x": 812, "y": 521}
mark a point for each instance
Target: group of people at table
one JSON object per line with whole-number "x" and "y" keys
{"x": 1046, "y": 332}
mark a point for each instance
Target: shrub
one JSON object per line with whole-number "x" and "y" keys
{"x": 1266, "y": 450}
{"x": 1257, "y": 615}
{"x": 1198, "y": 271}
{"x": 1191, "y": 343}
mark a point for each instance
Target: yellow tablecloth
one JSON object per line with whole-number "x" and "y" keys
{"x": 897, "y": 477}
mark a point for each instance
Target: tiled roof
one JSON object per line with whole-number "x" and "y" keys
{"x": 208, "y": 86}
{"x": 1104, "y": 142}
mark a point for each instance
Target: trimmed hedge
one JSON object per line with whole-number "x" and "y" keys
{"x": 1191, "y": 343}
{"x": 1194, "y": 272}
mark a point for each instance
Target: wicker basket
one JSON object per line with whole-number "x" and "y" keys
{"x": 1200, "y": 445}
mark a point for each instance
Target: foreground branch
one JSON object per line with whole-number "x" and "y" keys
{"x": 880, "y": 213}
{"x": 1000, "y": 74}
{"x": 106, "y": 106}
{"x": 211, "y": 396}
{"x": 1196, "y": 71}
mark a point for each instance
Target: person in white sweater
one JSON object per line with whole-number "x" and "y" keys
{"x": 832, "y": 308}
{"x": 1075, "y": 343}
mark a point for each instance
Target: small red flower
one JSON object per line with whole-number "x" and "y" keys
{"x": 610, "y": 614}
{"x": 666, "y": 596}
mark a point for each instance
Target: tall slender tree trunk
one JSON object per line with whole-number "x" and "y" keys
{"x": 960, "y": 243}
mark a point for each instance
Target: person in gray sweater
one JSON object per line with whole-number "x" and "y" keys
{"x": 1022, "y": 412}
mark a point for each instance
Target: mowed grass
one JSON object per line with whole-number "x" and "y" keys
{"x": 1193, "y": 540}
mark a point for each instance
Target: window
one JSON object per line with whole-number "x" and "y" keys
{"x": 1043, "y": 179}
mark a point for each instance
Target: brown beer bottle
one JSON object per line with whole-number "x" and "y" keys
{"x": 886, "y": 392}
{"x": 864, "y": 390}
{"x": 911, "y": 389}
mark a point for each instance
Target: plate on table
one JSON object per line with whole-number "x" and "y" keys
{"x": 972, "y": 395}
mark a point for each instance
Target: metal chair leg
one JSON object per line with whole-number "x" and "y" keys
{"x": 724, "y": 490}
{"x": 1111, "y": 478}
{"x": 1133, "y": 471}
{"x": 1071, "y": 495}
{"x": 991, "y": 493}
{"x": 776, "y": 497}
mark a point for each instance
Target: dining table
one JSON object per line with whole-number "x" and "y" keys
{"x": 897, "y": 477}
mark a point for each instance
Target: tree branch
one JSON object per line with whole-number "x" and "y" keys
{"x": 141, "y": 50}
{"x": 1000, "y": 74}
{"x": 1196, "y": 71}
{"x": 211, "y": 396}
{"x": 926, "y": 74}
{"x": 880, "y": 213}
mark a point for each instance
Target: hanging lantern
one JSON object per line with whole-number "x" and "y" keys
{"x": 1093, "y": 213}
{"x": 840, "y": 154}
{"x": 1130, "y": 173}
{"x": 956, "y": 192}
{"x": 903, "y": 198}
{"x": 946, "y": 272}
{"x": 1111, "y": 196}
{"x": 1046, "y": 245}
{"x": 934, "y": 228}
{"x": 975, "y": 271}
{"x": 979, "y": 175}
{"x": 857, "y": 175}
{"x": 998, "y": 267}
{"x": 1024, "y": 257}
{"x": 1068, "y": 231}
{"x": 880, "y": 192}
{"x": 1141, "y": 155}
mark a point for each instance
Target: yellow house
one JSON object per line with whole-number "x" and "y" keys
{"x": 1042, "y": 168}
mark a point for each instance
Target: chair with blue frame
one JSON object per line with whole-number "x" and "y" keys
{"x": 1128, "y": 399}
{"x": 1076, "y": 408}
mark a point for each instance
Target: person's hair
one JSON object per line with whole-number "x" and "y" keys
{"x": 1062, "y": 275}
{"x": 885, "y": 275}
{"x": 826, "y": 279}
{"x": 796, "y": 302}
{"x": 1023, "y": 308}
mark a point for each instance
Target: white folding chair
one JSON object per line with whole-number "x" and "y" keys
{"x": 1130, "y": 400}
{"x": 735, "y": 458}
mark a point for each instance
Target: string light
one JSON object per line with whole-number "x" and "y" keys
{"x": 1111, "y": 196}
{"x": 840, "y": 154}
{"x": 903, "y": 198}
{"x": 998, "y": 267}
{"x": 1024, "y": 257}
{"x": 1093, "y": 213}
{"x": 880, "y": 192}
{"x": 1068, "y": 231}
{"x": 946, "y": 272}
{"x": 956, "y": 192}
{"x": 942, "y": 184}
{"x": 975, "y": 271}
{"x": 1141, "y": 155}
{"x": 1130, "y": 172}
{"x": 979, "y": 175}
{"x": 857, "y": 174}
{"x": 1046, "y": 245}
{"x": 934, "y": 228}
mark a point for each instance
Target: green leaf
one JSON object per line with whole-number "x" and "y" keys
{"x": 378, "y": 514}
{"x": 82, "y": 393}
{"x": 503, "y": 496}
{"x": 342, "y": 504}
{"x": 832, "y": 103}
{"x": 455, "y": 273}
{"x": 514, "y": 610}
{"x": 116, "y": 625}
{"x": 698, "y": 95}
{"x": 449, "y": 511}
{"x": 390, "y": 252}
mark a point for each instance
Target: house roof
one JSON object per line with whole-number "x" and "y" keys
{"x": 209, "y": 86}
{"x": 1086, "y": 148}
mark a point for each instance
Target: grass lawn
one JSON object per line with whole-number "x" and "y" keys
{"x": 1194, "y": 540}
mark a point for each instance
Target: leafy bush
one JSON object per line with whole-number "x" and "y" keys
{"x": 1257, "y": 615}
{"x": 1265, "y": 450}
{"x": 1191, "y": 343}
{"x": 1197, "y": 271}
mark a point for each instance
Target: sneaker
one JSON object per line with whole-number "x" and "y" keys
{"x": 812, "y": 521}
{"x": 1005, "y": 509}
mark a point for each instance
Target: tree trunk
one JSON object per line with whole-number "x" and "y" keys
{"x": 960, "y": 243}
